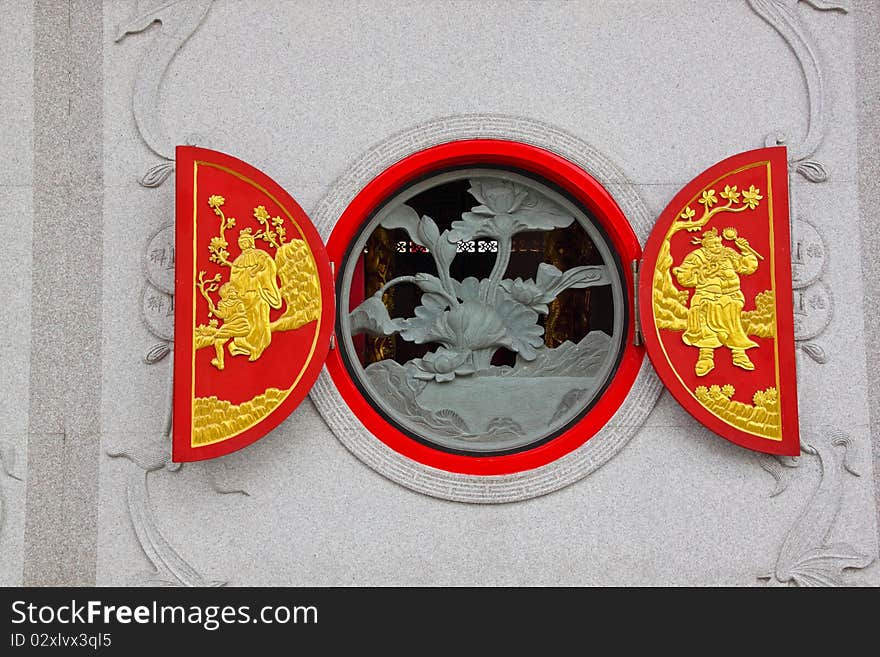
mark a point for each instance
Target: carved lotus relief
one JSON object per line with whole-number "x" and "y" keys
{"x": 460, "y": 394}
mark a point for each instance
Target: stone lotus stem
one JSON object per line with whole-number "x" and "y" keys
{"x": 499, "y": 269}
{"x": 451, "y": 298}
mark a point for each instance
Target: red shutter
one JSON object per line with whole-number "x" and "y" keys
{"x": 254, "y": 305}
{"x": 716, "y": 301}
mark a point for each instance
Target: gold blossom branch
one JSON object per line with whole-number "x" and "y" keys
{"x": 217, "y": 247}
{"x": 267, "y": 234}
{"x": 751, "y": 198}
{"x": 272, "y": 232}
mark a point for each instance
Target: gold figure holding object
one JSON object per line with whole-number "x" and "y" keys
{"x": 714, "y": 317}
{"x": 252, "y": 290}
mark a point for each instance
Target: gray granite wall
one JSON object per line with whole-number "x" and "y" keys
{"x": 305, "y": 91}
{"x": 65, "y": 306}
{"x": 17, "y": 220}
{"x": 868, "y": 109}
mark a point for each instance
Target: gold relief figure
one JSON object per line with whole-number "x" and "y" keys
{"x": 253, "y": 290}
{"x": 254, "y": 277}
{"x": 232, "y": 310}
{"x": 714, "y": 317}
{"x": 670, "y": 303}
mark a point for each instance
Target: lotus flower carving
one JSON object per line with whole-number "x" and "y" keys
{"x": 473, "y": 318}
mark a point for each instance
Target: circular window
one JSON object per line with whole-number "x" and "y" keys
{"x": 486, "y": 311}
{"x": 485, "y": 307}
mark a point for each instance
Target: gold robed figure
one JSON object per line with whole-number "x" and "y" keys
{"x": 252, "y": 291}
{"x": 254, "y": 277}
{"x": 244, "y": 305}
{"x": 714, "y": 317}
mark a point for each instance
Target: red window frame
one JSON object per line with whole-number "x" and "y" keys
{"x": 570, "y": 178}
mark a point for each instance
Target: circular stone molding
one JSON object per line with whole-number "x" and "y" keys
{"x": 485, "y": 488}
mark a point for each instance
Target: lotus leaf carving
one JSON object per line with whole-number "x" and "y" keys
{"x": 472, "y": 319}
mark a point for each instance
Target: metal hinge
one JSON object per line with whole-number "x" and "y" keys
{"x": 638, "y": 338}
{"x": 333, "y": 285}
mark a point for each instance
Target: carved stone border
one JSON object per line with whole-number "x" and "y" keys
{"x": 179, "y": 19}
{"x": 607, "y": 442}
{"x": 805, "y": 557}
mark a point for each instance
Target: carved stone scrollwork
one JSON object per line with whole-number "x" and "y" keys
{"x": 179, "y": 20}
{"x": 810, "y": 321}
{"x": 782, "y": 16}
{"x": 169, "y": 568}
{"x": 157, "y": 306}
{"x": 806, "y": 558}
